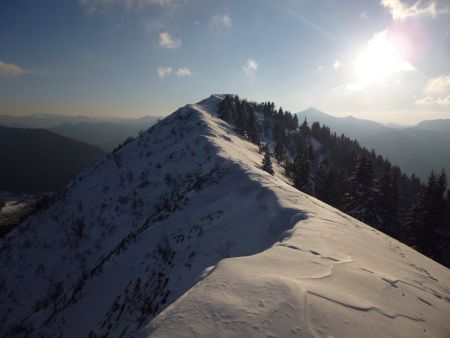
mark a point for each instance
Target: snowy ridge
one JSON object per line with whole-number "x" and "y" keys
{"x": 181, "y": 233}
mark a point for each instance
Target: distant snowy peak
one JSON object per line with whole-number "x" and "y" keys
{"x": 312, "y": 110}
{"x": 181, "y": 233}
{"x": 312, "y": 114}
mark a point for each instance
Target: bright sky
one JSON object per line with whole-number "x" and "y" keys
{"x": 385, "y": 60}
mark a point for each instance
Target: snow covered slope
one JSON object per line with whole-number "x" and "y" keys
{"x": 180, "y": 233}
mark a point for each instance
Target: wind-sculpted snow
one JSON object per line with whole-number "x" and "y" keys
{"x": 180, "y": 233}
{"x": 327, "y": 279}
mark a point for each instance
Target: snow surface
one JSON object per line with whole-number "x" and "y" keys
{"x": 184, "y": 235}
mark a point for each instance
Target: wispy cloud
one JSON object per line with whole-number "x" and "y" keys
{"x": 443, "y": 101}
{"x": 180, "y": 72}
{"x": 250, "y": 66}
{"x": 10, "y": 70}
{"x": 167, "y": 41}
{"x": 183, "y": 72}
{"x": 219, "y": 21}
{"x": 14, "y": 71}
{"x": 163, "y": 71}
{"x": 105, "y": 6}
{"x": 337, "y": 64}
{"x": 400, "y": 10}
{"x": 438, "y": 84}
{"x": 438, "y": 91}
{"x": 429, "y": 100}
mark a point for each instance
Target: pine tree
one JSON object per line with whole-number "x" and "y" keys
{"x": 295, "y": 121}
{"x": 279, "y": 152}
{"x": 236, "y": 109}
{"x": 304, "y": 129}
{"x": 429, "y": 217}
{"x": 279, "y": 130}
{"x": 409, "y": 225}
{"x": 268, "y": 117}
{"x": 360, "y": 199}
{"x": 446, "y": 234}
{"x": 252, "y": 127}
{"x": 311, "y": 155}
{"x": 302, "y": 170}
{"x": 439, "y": 222}
{"x": 242, "y": 118}
{"x": 226, "y": 110}
{"x": 289, "y": 168}
{"x": 267, "y": 162}
{"x": 387, "y": 200}
{"x": 325, "y": 181}
{"x": 393, "y": 218}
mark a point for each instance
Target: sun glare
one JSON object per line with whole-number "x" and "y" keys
{"x": 381, "y": 58}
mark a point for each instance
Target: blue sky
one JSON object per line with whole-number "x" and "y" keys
{"x": 386, "y": 60}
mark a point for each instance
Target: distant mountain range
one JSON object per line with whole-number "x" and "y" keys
{"x": 349, "y": 126}
{"x": 104, "y": 132}
{"x": 105, "y": 135}
{"x": 41, "y": 120}
{"x": 441, "y": 125}
{"x": 416, "y": 150}
{"x": 37, "y": 160}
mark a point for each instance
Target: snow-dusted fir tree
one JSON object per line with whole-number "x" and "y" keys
{"x": 267, "y": 162}
{"x": 280, "y": 151}
{"x": 360, "y": 200}
{"x": 226, "y": 109}
{"x": 428, "y": 219}
{"x": 387, "y": 199}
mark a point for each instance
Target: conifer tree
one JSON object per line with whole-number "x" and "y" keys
{"x": 267, "y": 162}
{"x": 441, "y": 218}
{"x": 325, "y": 181}
{"x": 304, "y": 129}
{"x": 387, "y": 199}
{"x": 302, "y": 170}
{"x": 446, "y": 234}
{"x": 241, "y": 118}
{"x": 393, "y": 218}
{"x": 428, "y": 216}
{"x": 360, "y": 199}
{"x": 268, "y": 109}
{"x": 279, "y": 152}
{"x": 295, "y": 121}
{"x": 252, "y": 127}
{"x": 226, "y": 111}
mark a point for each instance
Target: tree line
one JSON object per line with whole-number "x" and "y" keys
{"x": 340, "y": 172}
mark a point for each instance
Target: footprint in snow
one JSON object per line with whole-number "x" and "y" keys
{"x": 366, "y": 270}
{"x": 424, "y": 301}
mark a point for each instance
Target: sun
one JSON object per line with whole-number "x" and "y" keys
{"x": 381, "y": 58}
